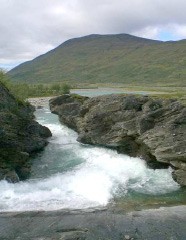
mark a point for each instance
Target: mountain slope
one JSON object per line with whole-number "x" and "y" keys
{"x": 118, "y": 58}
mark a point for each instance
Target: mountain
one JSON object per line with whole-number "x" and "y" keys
{"x": 119, "y": 58}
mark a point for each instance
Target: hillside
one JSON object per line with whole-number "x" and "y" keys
{"x": 107, "y": 59}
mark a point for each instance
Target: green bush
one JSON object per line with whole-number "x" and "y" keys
{"x": 65, "y": 88}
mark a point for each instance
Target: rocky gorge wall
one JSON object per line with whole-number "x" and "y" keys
{"x": 154, "y": 129}
{"x": 20, "y": 136}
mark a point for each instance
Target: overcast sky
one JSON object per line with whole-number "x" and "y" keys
{"x": 29, "y": 28}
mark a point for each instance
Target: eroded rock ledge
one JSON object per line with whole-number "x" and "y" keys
{"x": 20, "y": 136}
{"x": 153, "y": 129}
{"x": 93, "y": 224}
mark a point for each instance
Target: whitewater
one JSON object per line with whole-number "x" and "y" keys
{"x": 68, "y": 174}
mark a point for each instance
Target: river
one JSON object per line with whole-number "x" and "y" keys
{"x": 68, "y": 174}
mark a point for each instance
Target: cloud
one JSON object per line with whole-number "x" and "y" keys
{"x": 30, "y": 28}
{"x": 180, "y": 31}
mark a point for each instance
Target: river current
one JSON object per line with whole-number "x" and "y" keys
{"x": 68, "y": 174}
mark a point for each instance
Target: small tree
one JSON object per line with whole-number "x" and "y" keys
{"x": 65, "y": 88}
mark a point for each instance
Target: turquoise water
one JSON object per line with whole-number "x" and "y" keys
{"x": 68, "y": 174}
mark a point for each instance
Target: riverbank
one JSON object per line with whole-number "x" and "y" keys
{"x": 93, "y": 224}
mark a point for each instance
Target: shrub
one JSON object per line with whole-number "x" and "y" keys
{"x": 65, "y": 89}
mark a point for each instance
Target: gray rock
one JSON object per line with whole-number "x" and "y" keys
{"x": 39, "y": 107}
{"x": 162, "y": 224}
{"x": 11, "y": 177}
{"x": 180, "y": 176}
{"x": 154, "y": 129}
{"x": 20, "y": 135}
{"x": 69, "y": 107}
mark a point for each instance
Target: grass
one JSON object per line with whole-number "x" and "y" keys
{"x": 160, "y": 91}
{"x": 24, "y": 91}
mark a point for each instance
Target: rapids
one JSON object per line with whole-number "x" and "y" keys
{"x": 68, "y": 174}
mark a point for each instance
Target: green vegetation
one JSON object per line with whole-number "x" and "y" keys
{"x": 4, "y": 79}
{"x": 23, "y": 91}
{"x": 110, "y": 59}
{"x": 65, "y": 88}
{"x": 115, "y": 61}
{"x": 78, "y": 97}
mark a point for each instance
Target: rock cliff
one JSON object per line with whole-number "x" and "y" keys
{"x": 20, "y": 136}
{"x": 154, "y": 129}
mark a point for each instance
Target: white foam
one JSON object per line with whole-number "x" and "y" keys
{"x": 93, "y": 183}
{"x": 103, "y": 174}
{"x": 61, "y": 134}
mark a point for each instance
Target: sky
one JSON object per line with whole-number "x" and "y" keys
{"x": 29, "y": 28}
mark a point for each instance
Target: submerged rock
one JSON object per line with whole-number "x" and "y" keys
{"x": 20, "y": 136}
{"x": 138, "y": 126}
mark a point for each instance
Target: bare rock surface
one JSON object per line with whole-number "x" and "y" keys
{"x": 154, "y": 129}
{"x": 20, "y": 136}
{"x": 91, "y": 224}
